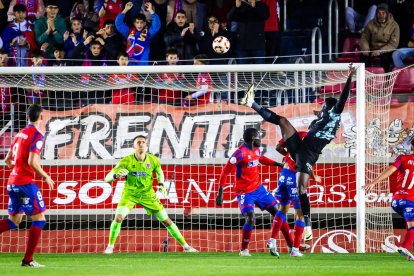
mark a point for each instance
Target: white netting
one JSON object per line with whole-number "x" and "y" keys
{"x": 87, "y": 133}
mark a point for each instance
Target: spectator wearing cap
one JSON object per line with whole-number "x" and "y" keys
{"x": 18, "y": 37}
{"x": 35, "y": 9}
{"x": 139, "y": 36}
{"x": 380, "y": 38}
{"x": 50, "y": 28}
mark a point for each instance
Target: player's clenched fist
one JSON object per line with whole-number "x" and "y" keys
{"x": 121, "y": 173}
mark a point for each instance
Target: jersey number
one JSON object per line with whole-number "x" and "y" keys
{"x": 407, "y": 173}
{"x": 15, "y": 149}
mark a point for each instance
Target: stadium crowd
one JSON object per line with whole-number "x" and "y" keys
{"x": 151, "y": 32}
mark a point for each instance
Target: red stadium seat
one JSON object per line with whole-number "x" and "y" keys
{"x": 375, "y": 70}
{"x": 410, "y": 99}
{"x": 350, "y": 50}
{"x": 404, "y": 82}
{"x": 319, "y": 101}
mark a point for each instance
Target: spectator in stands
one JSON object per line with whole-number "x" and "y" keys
{"x": 203, "y": 84}
{"x": 50, "y": 28}
{"x": 271, "y": 29}
{"x": 206, "y": 43}
{"x": 59, "y": 57}
{"x": 5, "y": 92}
{"x": 83, "y": 11}
{"x": 35, "y": 95}
{"x": 74, "y": 36}
{"x": 183, "y": 36}
{"x": 169, "y": 96}
{"x": 190, "y": 6}
{"x": 89, "y": 53}
{"x": 401, "y": 54}
{"x": 108, "y": 10}
{"x": 250, "y": 37}
{"x": 139, "y": 36}
{"x": 357, "y": 17}
{"x": 35, "y": 9}
{"x": 403, "y": 14}
{"x": 124, "y": 95}
{"x": 380, "y": 38}
{"x": 18, "y": 37}
{"x": 114, "y": 43}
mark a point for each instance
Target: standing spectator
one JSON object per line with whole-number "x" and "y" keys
{"x": 357, "y": 18}
{"x": 83, "y": 11}
{"x": 380, "y": 38}
{"x": 50, "y": 28}
{"x": 114, "y": 43}
{"x": 35, "y": 9}
{"x": 5, "y": 92}
{"x": 18, "y": 37}
{"x": 35, "y": 95}
{"x": 89, "y": 53}
{"x": 74, "y": 36}
{"x": 203, "y": 84}
{"x": 250, "y": 40}
{"x": 139, "y": 36}
{"x": 169, "y": 96}
{"x": 206, "y": 43}
{"x": 123, "y": 95}
{"x": 271, "y": 29}
{"x": 182, "y": 36}
{"x": 108, "y": 10}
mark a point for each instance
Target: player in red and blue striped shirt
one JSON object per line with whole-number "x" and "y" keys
{"x": 250, "y": 192}
{"x": 24, "y": 196}
{"x": 403, "y": 200}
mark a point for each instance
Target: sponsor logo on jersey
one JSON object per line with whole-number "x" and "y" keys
{"x": 253, "y": 164}
{"x": 139, "y": 174}
{"x": 39, "y": 144}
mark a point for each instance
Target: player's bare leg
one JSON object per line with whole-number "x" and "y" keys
{"x": 302, "y": 180}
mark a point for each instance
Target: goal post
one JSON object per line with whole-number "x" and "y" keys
{"x": 93, "y": 113}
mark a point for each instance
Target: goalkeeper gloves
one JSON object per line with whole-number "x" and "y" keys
{"x": 122, "y": 172}
{"x": 162, "y": 190}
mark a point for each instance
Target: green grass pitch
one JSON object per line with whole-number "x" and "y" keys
{"x": 178, "y": 264}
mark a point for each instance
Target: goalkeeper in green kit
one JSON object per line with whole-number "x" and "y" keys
{"x": 138, "y": 169}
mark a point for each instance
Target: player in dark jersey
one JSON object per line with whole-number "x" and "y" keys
{"x": 24, "y": 196}
{"x": 403, "y": 200}
{"x": 250, "y": 192}
{"x": 321, "y": 131}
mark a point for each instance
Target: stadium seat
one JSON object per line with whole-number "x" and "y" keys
{"x": 410, "y": 99}
{"x": 351, "y": 101}
{"x": 404, "y": 82}
{"x": 350, "y": 50}
{"x": 375, "y": 70}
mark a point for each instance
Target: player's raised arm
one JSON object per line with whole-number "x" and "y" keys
{"x": 339, "y": 106}
{"x": 384, "y": 175}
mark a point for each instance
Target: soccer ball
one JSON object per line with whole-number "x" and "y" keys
{"x": 221, "y": 45}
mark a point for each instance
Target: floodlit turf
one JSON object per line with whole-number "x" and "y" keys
{"x": 178, "y": 264}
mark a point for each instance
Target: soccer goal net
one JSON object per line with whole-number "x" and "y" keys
{"x": 92, "y": 115}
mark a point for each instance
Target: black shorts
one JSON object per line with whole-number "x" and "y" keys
{"x": 305, "y": 152}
